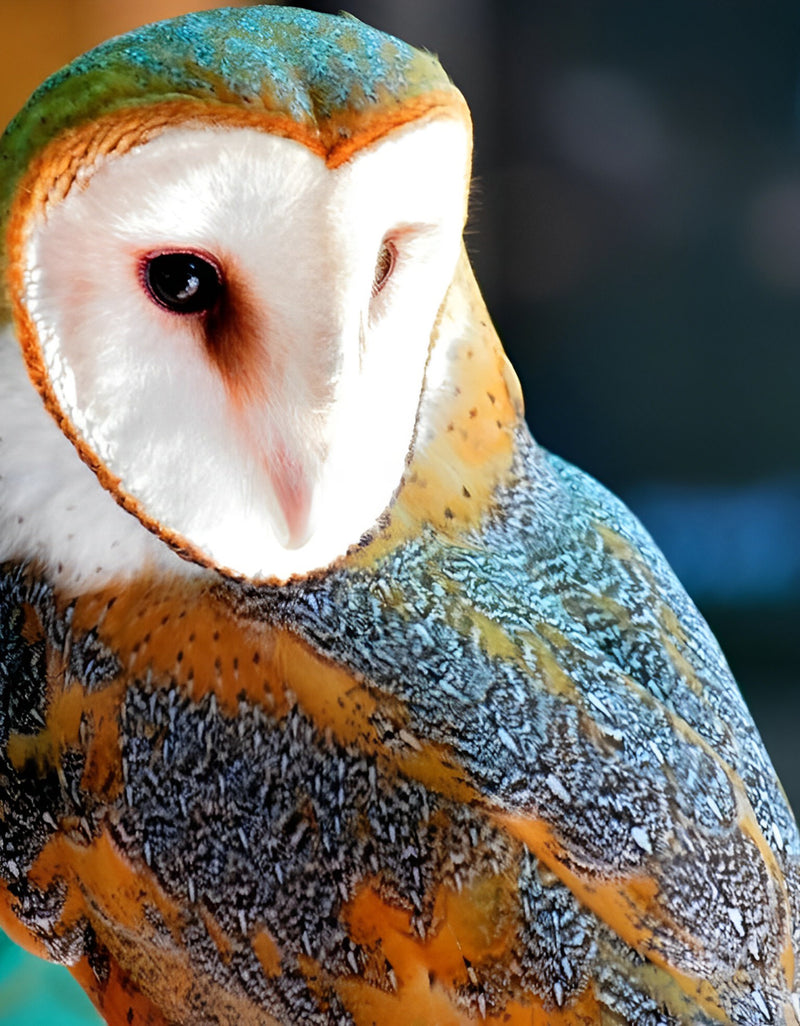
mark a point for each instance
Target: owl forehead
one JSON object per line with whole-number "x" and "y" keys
{"x": 188, "y": 185}
{"x": 330, "y": 82}
{"x": 71, "y": 158}
{"x": 70, "y": 161}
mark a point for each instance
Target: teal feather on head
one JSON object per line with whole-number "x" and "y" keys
{"x": 310, "y": 68}
{"x": 307, "y": 65}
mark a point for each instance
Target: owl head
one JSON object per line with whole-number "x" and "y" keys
{"x": 230, "y": 248}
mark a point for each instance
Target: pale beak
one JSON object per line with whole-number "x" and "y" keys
{"x": 294, "y": 487}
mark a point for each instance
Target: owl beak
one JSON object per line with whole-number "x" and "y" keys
{"x": 294, "y": 491}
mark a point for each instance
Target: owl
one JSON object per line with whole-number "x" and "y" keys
{"x": 328, "y": 696}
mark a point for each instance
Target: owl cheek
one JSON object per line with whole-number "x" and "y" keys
{"x": 248, "y": 355}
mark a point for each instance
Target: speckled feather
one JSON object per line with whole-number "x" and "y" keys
{"x": 491, "y": 766}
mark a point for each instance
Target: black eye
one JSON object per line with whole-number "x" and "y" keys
{"x": 384, "y": 265}
{"x": 182, "y": 282}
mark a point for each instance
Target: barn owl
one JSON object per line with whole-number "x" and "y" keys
{"x": 328, "y": 696}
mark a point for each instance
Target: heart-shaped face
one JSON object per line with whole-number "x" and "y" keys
{"x": 234, "y": 334}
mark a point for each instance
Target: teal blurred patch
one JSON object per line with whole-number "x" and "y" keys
{"x": 36, "y": 993}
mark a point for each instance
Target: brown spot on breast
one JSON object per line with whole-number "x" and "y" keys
{"x": 268, "y": 953}
{"x": 31, "y": 628}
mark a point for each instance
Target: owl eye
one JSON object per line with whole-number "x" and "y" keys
{"x": 182, "y": 282}
{"x": 384, "y": 265}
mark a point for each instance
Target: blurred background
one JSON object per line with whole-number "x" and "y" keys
{"x": 636, "y": 230}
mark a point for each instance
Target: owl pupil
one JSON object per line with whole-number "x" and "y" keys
{"x": 182, "y": 282}
{"x": 384, "y": 266}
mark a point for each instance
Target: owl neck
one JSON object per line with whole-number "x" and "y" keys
{"x": 470, "y": 415}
